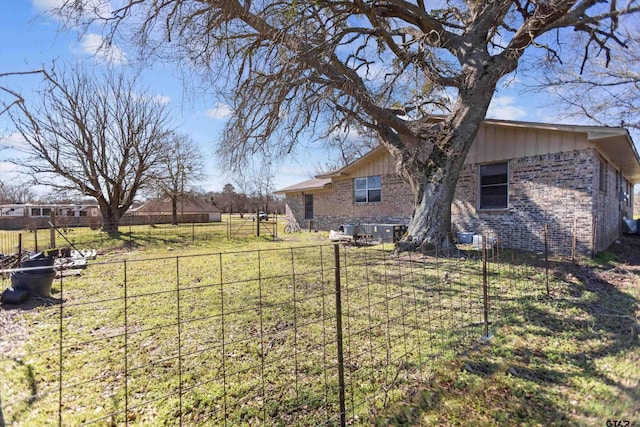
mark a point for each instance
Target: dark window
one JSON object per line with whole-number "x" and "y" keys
{"x": 308, "y": 206}
{"x": 603, "y": 176}
{"x": 494, "y": 186}
{"x": 367, "y": 190}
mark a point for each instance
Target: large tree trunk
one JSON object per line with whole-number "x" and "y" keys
{"x": 174, "y": 210}
{"x": 110, "y": 221}
{"x": 432, "y": 170}
{"x": 111, "y": 216}
{"x": 434, "y": 189}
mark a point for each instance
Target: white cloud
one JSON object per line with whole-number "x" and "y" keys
{"x": 96, "y": 45}
{"x": 13, "y": 140}
{"x": 6, "y": 167}
{"x": 91, "y": 9}
{"x": 156, "y": 99}
{"x": 161, "y": 99}
{"x": 220, "y": 111}
{"x": 47, "y": 4}
{"x": 504, "y": 108}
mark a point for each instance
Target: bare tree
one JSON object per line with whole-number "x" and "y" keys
{"x": 93, "y": 134}
{"x": 607, "y": 93}
{"x": 349, "y": 146}
{"x": 16, "y": 193}
{"x": 261, "y": 176}
{"x": 180, "y": 167}
{"x": 295, "y": 67}
{"x": 15, "y": 97}
{"x": 229, "y": 195}
{"x": 244, "y": 187}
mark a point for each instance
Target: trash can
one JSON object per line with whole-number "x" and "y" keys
{"x": 36, "y": 283}
{"x": 39, "y": 278}
{"x": 38, "y": 260}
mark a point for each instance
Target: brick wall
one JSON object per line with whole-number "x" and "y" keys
{"x": 559, "y": 189}
{"x": 552, "y": 189}
{"x": 609, "y": 209}
{"x": 337, "y": 207}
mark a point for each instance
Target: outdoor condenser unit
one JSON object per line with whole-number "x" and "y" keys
{"x": 385, "y": 232}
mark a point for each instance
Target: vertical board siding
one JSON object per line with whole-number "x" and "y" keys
{"x": 495, "y": 143}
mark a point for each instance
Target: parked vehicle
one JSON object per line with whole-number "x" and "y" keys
{"x": 262, "y": 216}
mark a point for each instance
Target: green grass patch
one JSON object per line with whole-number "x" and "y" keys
{"x": 205, "y": 332}
{"x": 567, "y": 360}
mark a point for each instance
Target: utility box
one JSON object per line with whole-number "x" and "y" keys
{"x": 478, "y": 241}
{"x": 465, "y": 237}
{"x": 384, "y": 232}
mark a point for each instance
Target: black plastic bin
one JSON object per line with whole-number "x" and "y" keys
{"x": 36, "y": 283}
{"x": 38, "y": 277}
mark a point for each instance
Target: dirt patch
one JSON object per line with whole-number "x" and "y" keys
{"x": 628, "y": 250}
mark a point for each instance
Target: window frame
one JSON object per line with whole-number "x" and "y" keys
{"x": 308, "y": 207}
{"x": 603, "y": 177}
{"x": 506, "y": 184}
{"x": 368, "y": 190}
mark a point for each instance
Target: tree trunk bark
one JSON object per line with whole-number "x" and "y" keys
{"x": 174, "y": 210}
{"x": 430, "y": 224}
{"x": 432, "y": 171}
{"x": 110, "y": 222}
{"x": 110, "y": 217}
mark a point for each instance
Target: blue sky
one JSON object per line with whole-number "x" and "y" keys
{"x": 29, "y": 39}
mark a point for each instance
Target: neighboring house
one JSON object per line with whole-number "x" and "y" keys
{"x": 38, "y": 215}
{"x": 517, "y": 177}
{"x": 190, "y": 209}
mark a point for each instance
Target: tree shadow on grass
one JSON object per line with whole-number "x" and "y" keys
{"x": 544, "y": 367}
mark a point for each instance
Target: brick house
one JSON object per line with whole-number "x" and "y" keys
{"x": 517, "y": 177}
{"x": 160, "y": 211}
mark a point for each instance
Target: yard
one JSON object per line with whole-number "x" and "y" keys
{"x": 208, "y": 332}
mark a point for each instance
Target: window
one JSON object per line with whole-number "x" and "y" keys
{"x": 367, "y": 190}
{"x": 603, "y": 176}
{"x": 308, "y": 206}
{"x": 494, "y": 186}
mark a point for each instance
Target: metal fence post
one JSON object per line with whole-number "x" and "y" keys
{"x": 258, "y": 223}
{"x": 52, "y": 233}
{"x": 573, "y": 241}
{"x": 35, "y": 238}
{"x": 341, "y": 386}
{"x": 546, "y": 256}
{"x": 485, "y": 286}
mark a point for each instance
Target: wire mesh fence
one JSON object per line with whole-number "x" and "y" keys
{"x": 133, "y": 236}
{"x": 317, "y": 335}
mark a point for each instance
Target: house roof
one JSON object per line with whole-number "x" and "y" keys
{"x": 318, "y": 183}
{"x": 378, "y": 151}
{"x": 614, "y": 143}
{"x": 188, "y": 205}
